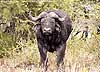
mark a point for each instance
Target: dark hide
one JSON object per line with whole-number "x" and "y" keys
{"x": 55, "y": 41}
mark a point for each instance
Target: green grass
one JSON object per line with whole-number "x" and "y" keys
{"x": 80, "y": 56}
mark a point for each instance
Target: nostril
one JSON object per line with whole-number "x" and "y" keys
{"x": 44, "y": 30}
{"x": 47, "y": 30}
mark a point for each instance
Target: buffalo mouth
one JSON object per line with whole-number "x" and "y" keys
{"x": 47, "y": 33}
{"x": 48, "y": 36}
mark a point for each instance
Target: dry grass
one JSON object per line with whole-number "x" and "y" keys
{"x": 84, "y": 63}
{"x": 78, "y": 58}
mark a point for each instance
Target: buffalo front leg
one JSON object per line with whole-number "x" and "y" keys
{"x": 43, "y": 57}
{"x": 60, "y": 52}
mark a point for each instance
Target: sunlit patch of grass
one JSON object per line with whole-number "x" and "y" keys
{"x": 80, "y": 56}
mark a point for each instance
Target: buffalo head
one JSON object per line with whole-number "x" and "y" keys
{"x": 47, "y": 22}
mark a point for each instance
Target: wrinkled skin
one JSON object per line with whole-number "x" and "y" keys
{"x": 54, "y": 37}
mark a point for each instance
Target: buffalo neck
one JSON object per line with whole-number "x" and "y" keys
{"x": 53, "y": 38}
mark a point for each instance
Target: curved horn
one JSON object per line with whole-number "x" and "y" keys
{"x": 53, "y": 14}
{"x": 38, "y": 17}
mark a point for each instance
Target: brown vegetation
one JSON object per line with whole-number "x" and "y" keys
{"x": 18, "y": 46}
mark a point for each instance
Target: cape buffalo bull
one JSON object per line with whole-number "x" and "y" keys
{"x": 52, "y": 31}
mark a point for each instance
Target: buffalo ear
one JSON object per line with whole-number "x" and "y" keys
{"x": 36, "y": 27}
{"x": 58, "y": 28}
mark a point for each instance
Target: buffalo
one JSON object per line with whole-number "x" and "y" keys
{"x": 52, "y": 31}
